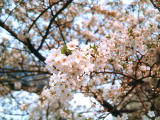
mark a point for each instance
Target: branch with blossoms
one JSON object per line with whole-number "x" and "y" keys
{"x": 107, "y": 52}
{"x": 45, "y": 10}
{"x": 136, "y": 81}
{"x": 26, "y": 40}
{"x": 52, "y": 20}
{"x": 66, "y": 60}
{"x": 156, "y": 4}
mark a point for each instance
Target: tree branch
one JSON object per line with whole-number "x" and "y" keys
{"x": 155, "y": 5}
{"x": 52, "y": 20}
{"x": 4, "y": 26}
{"x": 25, "y": 41}
{"x": 41, "y": 15}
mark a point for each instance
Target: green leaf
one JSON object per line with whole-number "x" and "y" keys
{"x": 148, "y": 45}
{"x": 94, "y": 47}
{"x": 108, "y": 36}
{"x": 69, "y": 52}
{"x": 64, "y": 49}
{"x": 125, "y": 65}
{"x": 130, "y": 31}
{"x": 151, "y": 25}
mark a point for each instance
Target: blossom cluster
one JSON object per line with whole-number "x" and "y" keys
{"x": 75, "y": 63}
{"x": 126, "y": 52}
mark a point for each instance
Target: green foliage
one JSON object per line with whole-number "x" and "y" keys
{"x": 148, "y": 45}
{"x": 108, "y": 36}
{"x": 94, "y": 47}
{"x": 125, "y": 65}
{"x": 66, "y": 51}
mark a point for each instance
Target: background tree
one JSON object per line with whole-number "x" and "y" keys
{"x": 30, "y": 29}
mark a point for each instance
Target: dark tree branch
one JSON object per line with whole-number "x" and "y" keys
{"x": 25, "y": 41}
{"x": 34, "y": 51}
{"x": 52, "y": 20}
{"x": 108, "y": 106}
{"x": 41, "y": 15}
{"x": 156, "y": 6}
{"x": 60, "y": 32}
{"x": 10, "y": 13}
{"x": 116, "y": 73}
{"x": 8, "y": 70}
{"x": 39, "y": 31}
{"x": 4, "y": 26}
